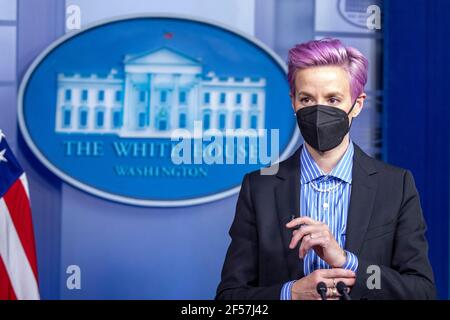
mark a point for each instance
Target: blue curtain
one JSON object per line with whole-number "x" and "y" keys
{"x": 416, "y": 118}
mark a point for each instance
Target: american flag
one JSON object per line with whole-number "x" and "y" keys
{"x": 18, "y": 267}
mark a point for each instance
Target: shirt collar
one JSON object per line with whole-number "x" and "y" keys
{"x": 311, "y": 171}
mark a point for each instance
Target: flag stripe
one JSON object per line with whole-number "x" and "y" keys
{"x": 24, "y": 180}
{"x": 18, "y": 268}
{"x": 19, "y": 209}
{"x": 6, "y": 289}
{"x": 15, "y": 260}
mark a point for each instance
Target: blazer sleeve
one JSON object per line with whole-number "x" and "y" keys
{"x": 240, "y": 269}
{"x": 410, "y": 275}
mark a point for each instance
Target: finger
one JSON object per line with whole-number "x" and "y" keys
{"x": 299, "y": 234}
{"x": 336, "y": 273}
{"x": 301, "y": 220}
{"x": 308, "y": 242}
{"x": 332, "y": 293}
{"x": 302, "y": 232}
{"x": 349, "y": 282}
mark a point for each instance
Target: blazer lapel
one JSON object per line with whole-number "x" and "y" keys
{"x": 362, "y": 198}
{"x": 287, "y": 195}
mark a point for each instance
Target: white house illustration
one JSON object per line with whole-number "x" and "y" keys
{"x": 157, "y": 92}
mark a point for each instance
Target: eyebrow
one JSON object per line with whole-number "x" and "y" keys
{"x": 330, "y": 94}
{"x": 334, "y": 94}
{"x": 304, "y": 93}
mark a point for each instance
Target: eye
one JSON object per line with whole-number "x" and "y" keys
{"x": 306, "y": 101}
{"x": 333, "y": 101}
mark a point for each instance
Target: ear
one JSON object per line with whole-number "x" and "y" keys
{"x": 358, "y": 105}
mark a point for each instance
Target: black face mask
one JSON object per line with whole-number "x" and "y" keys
{"x": 323, "y": 127}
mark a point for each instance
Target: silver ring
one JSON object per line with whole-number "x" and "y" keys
{"x": 310, "y": 236}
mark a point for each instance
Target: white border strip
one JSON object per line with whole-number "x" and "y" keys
{"x": 114, "y": 197}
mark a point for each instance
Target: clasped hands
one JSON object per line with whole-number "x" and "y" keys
{"x": 317, "y": 236}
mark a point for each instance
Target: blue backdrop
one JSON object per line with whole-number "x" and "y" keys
{"x": 416, "y": 112}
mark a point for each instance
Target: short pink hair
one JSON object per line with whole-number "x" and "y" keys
{"x": 329, "y": 51}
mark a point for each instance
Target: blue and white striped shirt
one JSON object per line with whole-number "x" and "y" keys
{"x": 329, "y": 207}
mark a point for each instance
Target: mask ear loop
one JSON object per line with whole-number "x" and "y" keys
{"x": 354, "y": 103}
{"x": 348, "y": 113}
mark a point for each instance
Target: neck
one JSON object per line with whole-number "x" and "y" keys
{"x": 328, "y": 160}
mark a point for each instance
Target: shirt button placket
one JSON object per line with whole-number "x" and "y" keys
{"x": 326, "y": 203}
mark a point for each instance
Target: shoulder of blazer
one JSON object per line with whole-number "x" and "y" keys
{"x": 372, "y": 165}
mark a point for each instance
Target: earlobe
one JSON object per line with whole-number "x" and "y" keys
{"x": 357, "y": 111}
{"x": 359, "y": 105}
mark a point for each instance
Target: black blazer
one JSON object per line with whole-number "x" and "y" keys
{"x": 385, "y": 227}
